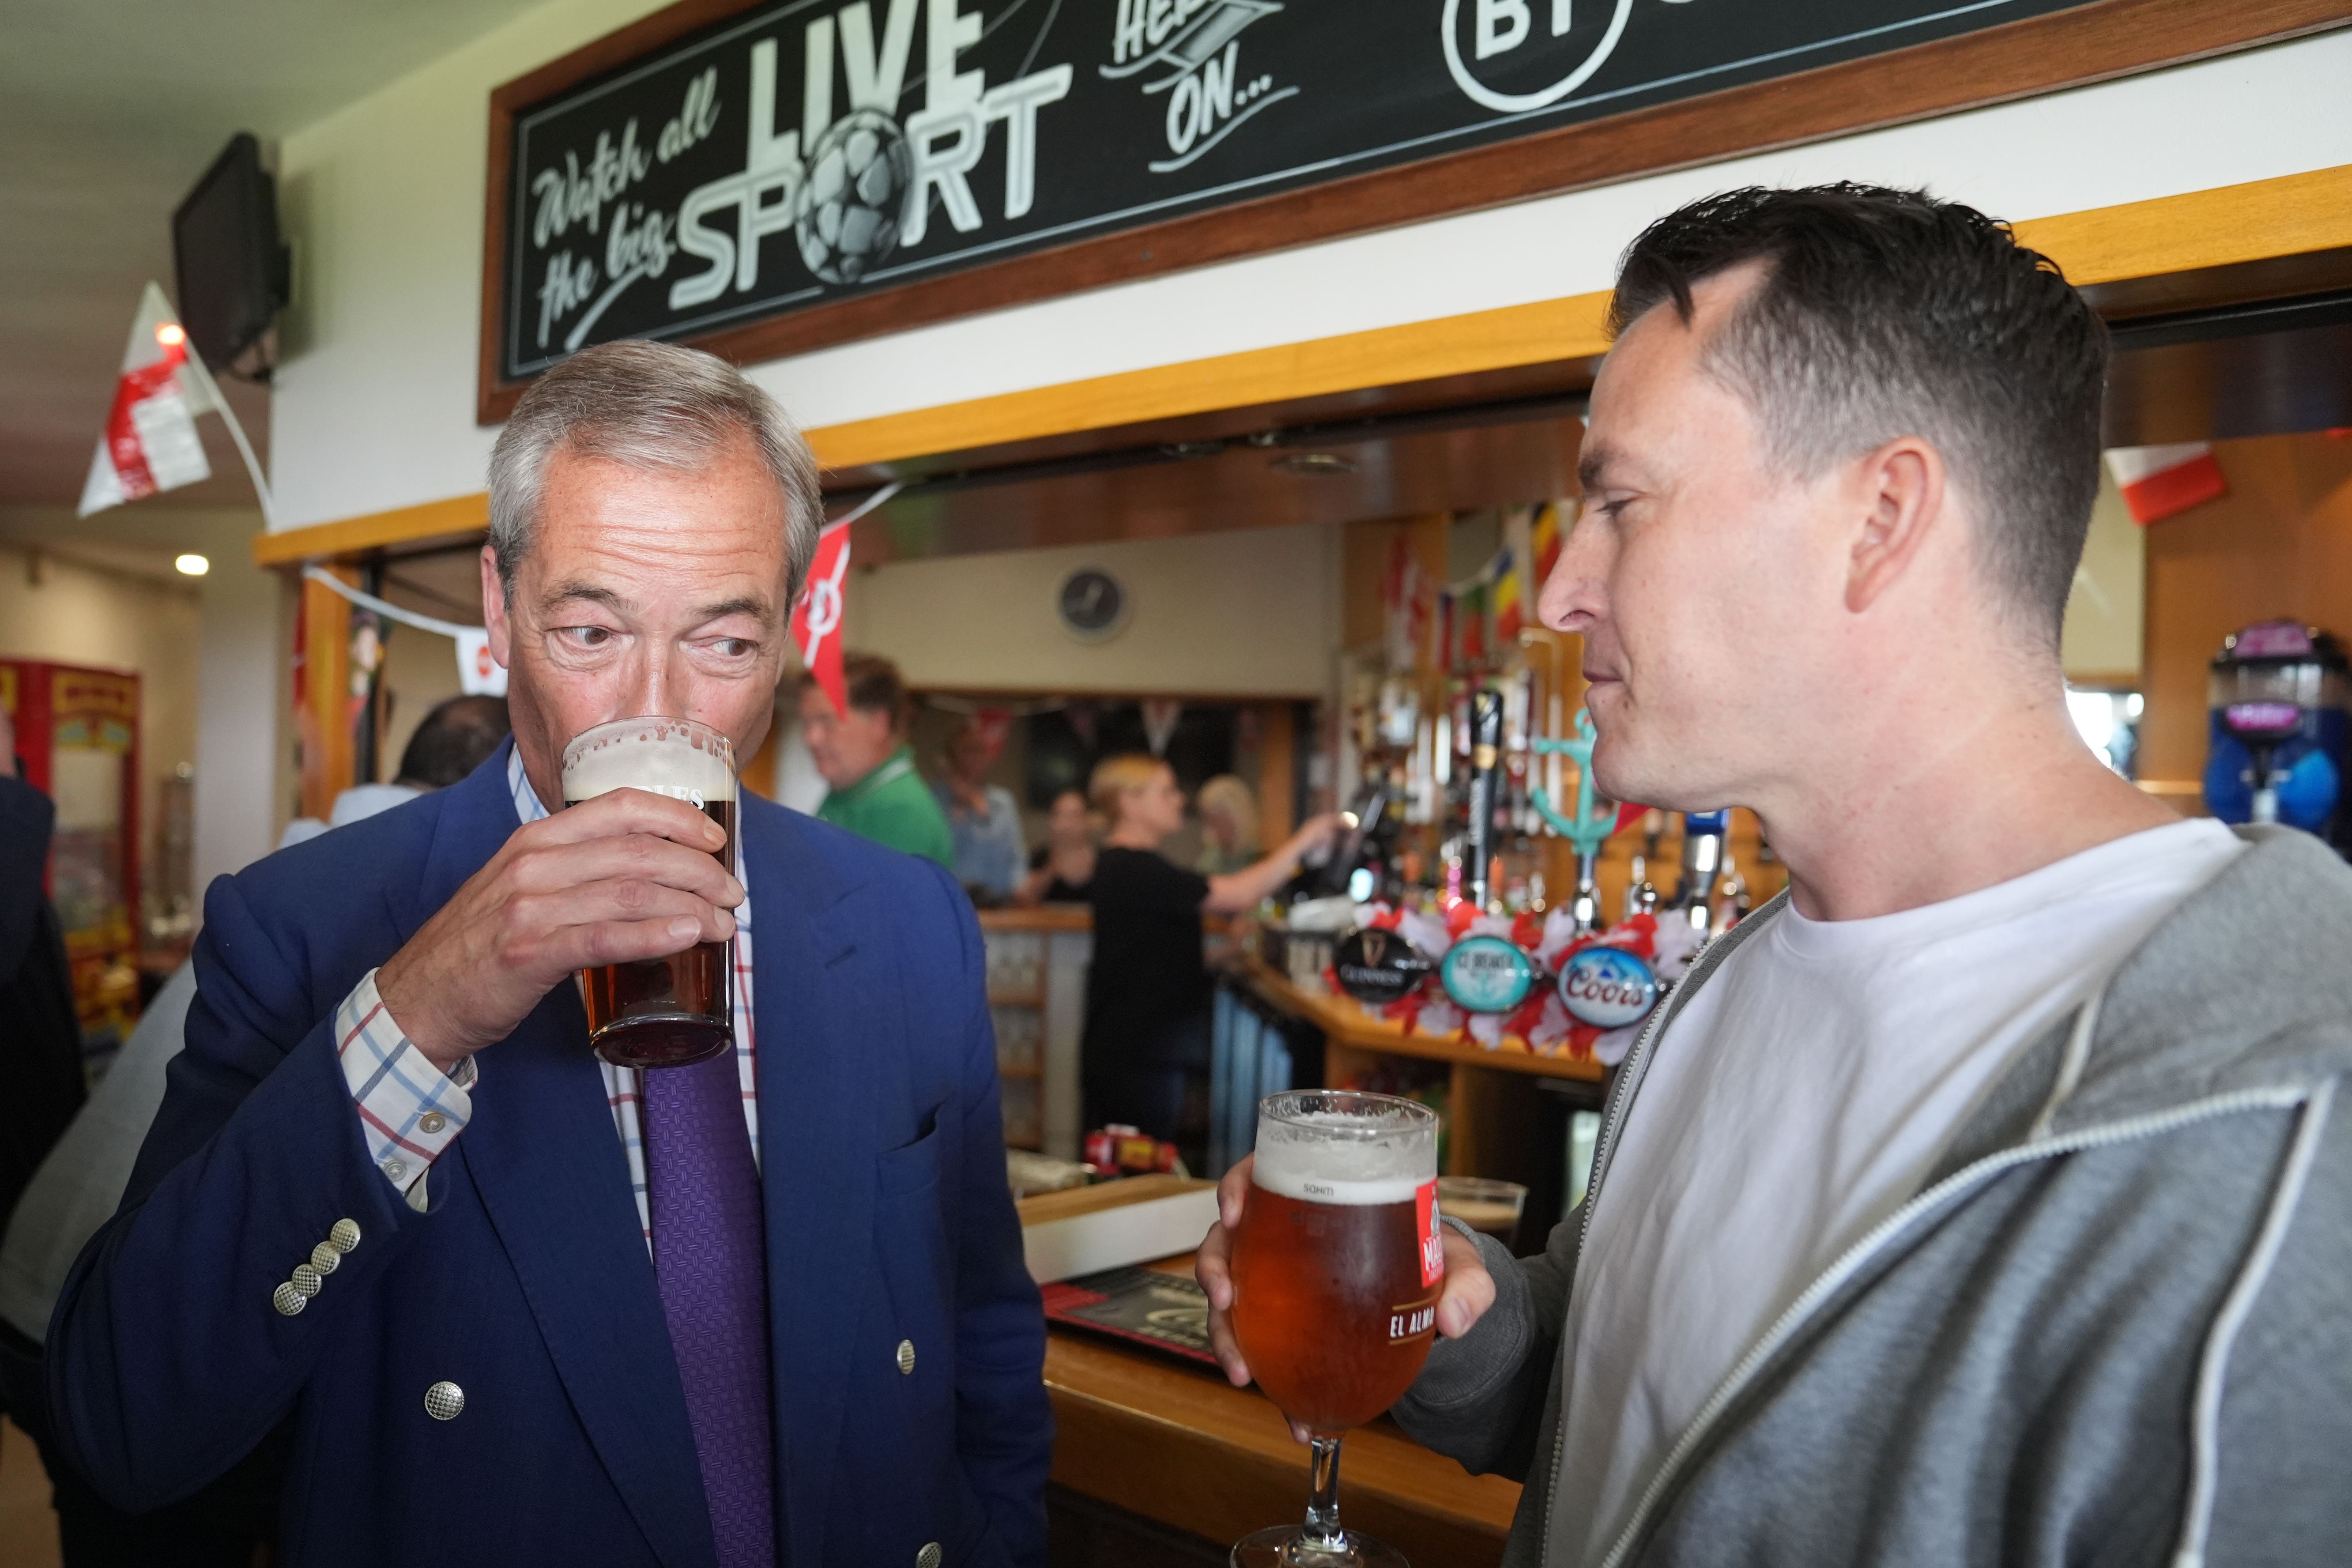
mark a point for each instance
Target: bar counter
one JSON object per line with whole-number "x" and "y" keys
{"x": 1180, "y": 1445}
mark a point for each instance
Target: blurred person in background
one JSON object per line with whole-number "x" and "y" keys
{"x": 448, "y": 744}
{"x": 1229, "y": 826}
{"x": 983, "y": 820}
{"x": 875, "y": 791}
{"x": 80, "y": 1183}
{"x": 1146, "y": 1044}
{"x": 40, "y": 1037}
{"x": 1062, "y": 870}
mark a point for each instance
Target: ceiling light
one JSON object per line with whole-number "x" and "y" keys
{"x": 169, "y": 334}
{"x": 1315, "y": 463}
{"x": 192, "y": 565}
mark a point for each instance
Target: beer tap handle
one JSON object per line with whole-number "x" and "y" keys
{"x": 1486, "y": 770}
{"x": 1703, "y": 838}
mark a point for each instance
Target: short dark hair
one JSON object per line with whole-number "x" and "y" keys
{"x": 452, "y": 741}
{"x": 1883, "y": 313}
{"x": 875, "y": 685}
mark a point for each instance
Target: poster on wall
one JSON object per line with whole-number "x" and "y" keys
{"x": 804, "y": 172}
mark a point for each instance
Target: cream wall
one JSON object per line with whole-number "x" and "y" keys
{"x": 373, "y": 407}
{"x": 2107, "y": 613}
{"x": 1251, "y": 613}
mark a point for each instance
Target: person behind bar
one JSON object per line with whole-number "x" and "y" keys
{"x": 983, "y": 820}
{"x": 499, "y": 1303}
{"x": 1228, "y": 826}
{"x": 1984, "y": 1198}
{"x": 1147, "y": 1031}
{"x": 864, "y": 755}
{"x": 1062, "y": 870}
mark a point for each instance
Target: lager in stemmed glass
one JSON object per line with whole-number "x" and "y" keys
{"x": 1336, "y": 1268}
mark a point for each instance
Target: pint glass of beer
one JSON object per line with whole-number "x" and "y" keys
{"x": 1336, "y": 1271}
{"x": 660, "y": 1012}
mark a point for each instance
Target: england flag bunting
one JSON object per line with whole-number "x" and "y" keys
{"x": 816, "y": 618}
{"x": 151, "y": 442}
{"x": 2158, "y": 481}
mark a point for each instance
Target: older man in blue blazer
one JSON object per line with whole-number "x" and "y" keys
{"x": 487, "y": 1299}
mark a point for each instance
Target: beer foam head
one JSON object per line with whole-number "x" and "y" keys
{"x": 667, "y": 756}
{"x": 1327, "y": 1158}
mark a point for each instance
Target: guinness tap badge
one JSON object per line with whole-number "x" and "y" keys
{"x": 1377, "y": 967}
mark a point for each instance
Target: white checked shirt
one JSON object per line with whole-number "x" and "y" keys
{"x": 410, "y": 1111}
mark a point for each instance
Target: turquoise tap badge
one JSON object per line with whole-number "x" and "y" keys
{"x": 1487, "y": 974}
{"x": 1607, "y": 987}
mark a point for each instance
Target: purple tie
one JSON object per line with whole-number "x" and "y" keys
{"x": 710, "y": 1259}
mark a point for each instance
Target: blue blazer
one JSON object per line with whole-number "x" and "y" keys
{"x": 527, "y": 1282}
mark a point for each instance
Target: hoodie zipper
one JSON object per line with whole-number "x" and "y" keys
{"x": 1834, "y": 1277}
{"x": 1636, "y": 1062}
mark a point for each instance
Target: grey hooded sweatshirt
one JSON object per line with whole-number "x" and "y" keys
{"x": 2115, "y": 1326}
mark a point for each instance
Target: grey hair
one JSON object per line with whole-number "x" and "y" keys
{"x": 647, "y": 406}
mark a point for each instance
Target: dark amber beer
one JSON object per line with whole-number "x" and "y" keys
{"x": 1330, "y": 1305}
{"x": 673, "y": 1011}
{"x": 1336, "y": 1267}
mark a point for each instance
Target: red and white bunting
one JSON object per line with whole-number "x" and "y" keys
{"x": 151, "y": 442}
{"x": 816, "y": 617}
{"x": 2158, "y": 481}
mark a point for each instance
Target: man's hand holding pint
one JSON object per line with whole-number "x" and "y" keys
{"x": 629, "y": 875}
{"x": 1463, "y": 1298}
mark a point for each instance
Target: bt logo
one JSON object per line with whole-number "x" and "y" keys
{"x": 1500, "y": 30}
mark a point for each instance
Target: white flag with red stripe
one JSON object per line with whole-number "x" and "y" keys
{"x": 816, "y": 618}
{"x": 151, "y": 442}
{"x": 2158, "y": 481}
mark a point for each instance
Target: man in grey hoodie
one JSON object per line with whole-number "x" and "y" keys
{"x": 1978, "y": 1201}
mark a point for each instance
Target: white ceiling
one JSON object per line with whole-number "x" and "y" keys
{"x": 109, "y": 109}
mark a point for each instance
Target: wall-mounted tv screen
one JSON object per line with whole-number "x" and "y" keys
{"x": 231, "y": 264}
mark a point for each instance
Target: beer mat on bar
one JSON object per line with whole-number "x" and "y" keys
{"x": 1143, "y": 1306}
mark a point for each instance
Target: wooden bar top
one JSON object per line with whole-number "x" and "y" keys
{"x": 1341, "y": 1019}
{"x": 1178, "y": 1444}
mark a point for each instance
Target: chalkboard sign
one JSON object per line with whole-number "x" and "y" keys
{"x": 703, "y": 173}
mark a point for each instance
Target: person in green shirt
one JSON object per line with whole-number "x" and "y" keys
{"x": 863, "y": 755}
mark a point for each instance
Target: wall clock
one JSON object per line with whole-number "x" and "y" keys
{"x": 1092, "y": 604}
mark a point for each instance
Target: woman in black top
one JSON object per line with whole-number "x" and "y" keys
{"x": 1147, "y": 1033}
{"x": 1060, "y": 869}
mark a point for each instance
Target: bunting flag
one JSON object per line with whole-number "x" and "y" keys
{"x": 1543, "y": 545}
{"x": 2158, "y": 481}
{"x": 1399, "y": 596}
{"x": 816, "y": 617}
{"x": 151, "y": 442}
{"x": 1509, "y": 617}
{"x": 1514, "y": 590}
{"x": 1470, "y": 618}
{"x": 479, "y": 674}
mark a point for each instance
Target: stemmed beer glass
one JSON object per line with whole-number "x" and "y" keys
{"x": 1336, "y": 1266}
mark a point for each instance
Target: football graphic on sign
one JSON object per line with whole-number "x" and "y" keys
{"x": 848, "y": 220}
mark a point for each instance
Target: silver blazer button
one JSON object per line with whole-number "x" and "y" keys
{"x": 445, "y": 1401}
{"x": 907, "y": 1357}
{"x": 928, "y": 1557}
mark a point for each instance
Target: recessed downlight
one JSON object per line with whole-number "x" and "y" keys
{"x": 1315, "y": 463}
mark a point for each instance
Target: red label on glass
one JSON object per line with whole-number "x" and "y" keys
{"x": 1433, "y": 1243}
